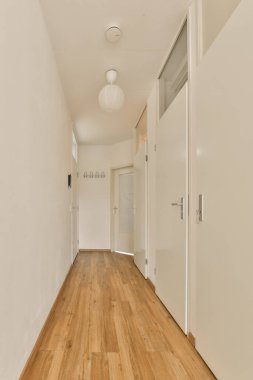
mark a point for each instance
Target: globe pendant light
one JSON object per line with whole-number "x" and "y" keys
{"x": 111, "y": 97}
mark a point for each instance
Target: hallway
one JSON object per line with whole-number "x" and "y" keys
{"x": 108, "y": 324}
{"x": 126, "y": 127}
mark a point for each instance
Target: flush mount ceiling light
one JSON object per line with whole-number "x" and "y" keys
{"x": 111, "y": 97}
{"x": 113, "y": 34}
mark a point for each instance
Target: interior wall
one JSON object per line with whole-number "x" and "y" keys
{"x": 224, "y": 309}
{"x": 95, "y": 193}
{"x": 35, "y": 158}
{"x": 215, "y": 14}
{"x": 203, "y": 28}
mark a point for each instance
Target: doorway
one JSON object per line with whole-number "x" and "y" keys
{"x": 172, "y": 210}
{"x": 172, "y": 184}
{"x": 140, "y": 209}
{"x": 74, "y": 201}
{"x": 122, "y": 210}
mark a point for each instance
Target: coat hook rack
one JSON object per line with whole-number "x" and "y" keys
{"x": 94, "y": 174}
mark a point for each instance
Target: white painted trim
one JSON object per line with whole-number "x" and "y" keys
{"x": 194, "y": 55}
{"x": 190, "y": 32}
{"x": 74, "y": 207}
{"x": 130, "y": 165}
{"x": 199, "y": 36}
{"x": 187, "y": 215}
{"x": 146, "y": 212}
{"x": 157, "y": 101}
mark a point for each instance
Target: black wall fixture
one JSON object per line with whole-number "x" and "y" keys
{"x": 69, "y": 180}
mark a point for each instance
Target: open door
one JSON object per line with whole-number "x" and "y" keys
{"x": 74, "y": 201}
{"x": 122, "y": 210}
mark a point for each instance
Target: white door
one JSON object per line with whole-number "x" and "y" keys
{"x": 74, "y": 210}
{"x": 140, "y": 207}
{"x": 123, "y": 217}
{"x": 171, "y": 241}
{"x": 224, "y": 324}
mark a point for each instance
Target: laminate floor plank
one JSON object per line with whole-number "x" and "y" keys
{"x": 108, "y": 324}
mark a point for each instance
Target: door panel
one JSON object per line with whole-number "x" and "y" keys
{"x": 224, "y": 308}
{"x": 140, "y": 188}
{"x": 123, "y": 210}
{"x": 171, "y": 252}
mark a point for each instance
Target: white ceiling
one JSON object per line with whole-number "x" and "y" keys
{"x": 77, "y": 28}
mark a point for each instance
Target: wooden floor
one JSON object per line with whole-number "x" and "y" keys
{"x": 109, "y": 324}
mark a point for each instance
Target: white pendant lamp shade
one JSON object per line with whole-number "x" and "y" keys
{"x": 111, "y": 97}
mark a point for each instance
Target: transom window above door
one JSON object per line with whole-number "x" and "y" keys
{"x": 175, "y": 72}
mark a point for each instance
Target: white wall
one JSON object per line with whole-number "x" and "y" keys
{"x": 224, "y": 135}
{"x": 203, "y": 28}
{"x": 35, "y": 158}
{"x": 121, "y": 154}
{"x": 94, "y": 194}
{"x": 215, "y": 15}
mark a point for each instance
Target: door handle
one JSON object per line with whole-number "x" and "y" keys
{"x": 182, "y": 205}
{"x": 200, "y": 211}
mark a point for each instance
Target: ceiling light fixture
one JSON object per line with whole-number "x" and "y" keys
{"x": 111, "y": 97}
{"x": 113, "y": 34}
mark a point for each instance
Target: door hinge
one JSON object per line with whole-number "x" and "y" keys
{"x": 146, "y": 157}
{"x": 155, "y": 147}
{"x": 146, "y": 261}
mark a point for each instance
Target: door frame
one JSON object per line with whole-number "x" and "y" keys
{"x": 185, "y": 329}
{"x": 74, "y": 203}
{"x": 146, "y": 221}
{"x": 112, "y": 170}
{"x": 146, "y": 211}
{"x": 195, "y": 55}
